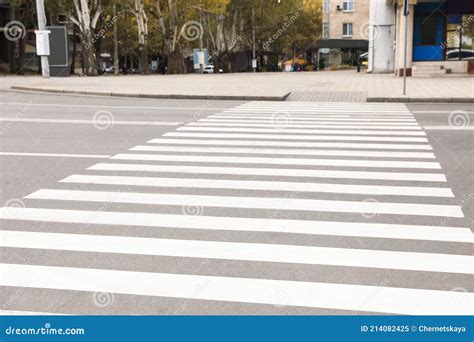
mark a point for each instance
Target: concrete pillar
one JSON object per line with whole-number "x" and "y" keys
{"x": 400, "y": 45}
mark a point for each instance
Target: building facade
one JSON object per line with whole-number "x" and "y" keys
{"x": 440, "y": 37}
{"x": 345, "y": 31}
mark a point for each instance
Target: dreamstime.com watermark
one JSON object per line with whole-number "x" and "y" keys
{"x": 370, "y": 30}
{"x": 99, "y": 35}
{"x": 47, "y": 329}
{"x": 14, "y": 30}
{"x": 459, "y": 119}
{"x": 192, "y": 30}
{"x": 464, "y": 202}
{"x": 465, "y": 23}
{"x": 278, "y": 33}
{"x": 7, "y": 125}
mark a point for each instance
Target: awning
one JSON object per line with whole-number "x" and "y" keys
{"x": 342, "y": 44}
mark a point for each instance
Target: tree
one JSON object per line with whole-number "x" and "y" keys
{"x": 221, "y": 19}
{"x": 138, "y": 11}
{"x": 87, "y": 13}
{"x": 170, "y": 29}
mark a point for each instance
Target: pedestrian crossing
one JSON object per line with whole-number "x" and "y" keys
{"x": 261, "y": 208}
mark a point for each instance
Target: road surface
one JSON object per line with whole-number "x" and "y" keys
{"x": 131, "y": 206}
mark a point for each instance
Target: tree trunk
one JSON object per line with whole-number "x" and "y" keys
{"x": 176, "y": 61}
{"x": 13, "y": 44}
{"x": 226, "y": 61}
{"x": 216, "y": 61}
{"x": 21, "y": 56}
{"x": 88, "y": 56}
{"x": 74, "y": 50}
{"x": 27, "y": 19}
{"x": 116, "y": 53}
{"x": 144, "y": 69}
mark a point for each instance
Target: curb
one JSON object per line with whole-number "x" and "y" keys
{"x": 156, "y": 96}
{"x": 422, "y": 99}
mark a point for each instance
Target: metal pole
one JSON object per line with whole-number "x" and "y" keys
{"x": 201, "y": 66}
{"x": 253, "y": 40}
{"x": 42, "y": 26}
{"x": 406, "y": 13}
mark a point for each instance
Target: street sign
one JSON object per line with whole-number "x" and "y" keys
{"x": 42, "y": 42}
{"x": 200, "y": 57}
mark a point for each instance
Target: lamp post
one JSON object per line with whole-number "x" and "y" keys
{"x": 406, "y": 13}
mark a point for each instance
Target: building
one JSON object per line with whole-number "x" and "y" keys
{"x": 345, "y": 31}
{"x": 440, "y": 37}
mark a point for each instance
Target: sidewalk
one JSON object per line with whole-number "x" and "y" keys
{"x": 327, "y": 86}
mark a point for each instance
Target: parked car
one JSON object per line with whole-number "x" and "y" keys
{"x": 109, "y": 69}
{"x": 209, "y": 69}
{"x": 453, "y": 55}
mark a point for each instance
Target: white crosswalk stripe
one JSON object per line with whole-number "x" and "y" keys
{"x": 251, "y": 171}
{"x": 234, "y": 289}
{"x": 314, "y": 121}
{"x": 293, "y": 137}
{"x": 241, "y": 251}
{"x": 261, "y": 185}
{"x": 310, "y": 119}
{"x": 240, "y": 150}
{"x": 279, "y": 161}
{"x": 279, "y": 186}
{"x": 305, "y": 131}
{"x": 306, "y": 126}
{"x": 351, "y": 145}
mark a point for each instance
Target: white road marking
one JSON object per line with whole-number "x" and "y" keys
{"x": 198, "y": 108}
{"x": 275, "y": 125}
{"x": 301, "y": 144}
{"x": 367, "y": 207}
{"x": 216, "y": 223}
{"x": 449, "y": 128}
{"x": 318, "y": 113}
{"x": 326, "y": 111}
{"x": 245, "y": 290}
{"x": 232, "y": 150}
{"x": 438, "y": 112}
{"x": 261, "y": 185}
{"x": 394, "y": 176}
{"x": 293, "y": 137}
{"x": 76, "y": 121}
{"x": 297, "y": 118}
{"x": 279, "y": 161}
{"x": 427, "y": 262}
{"x": 305, "y": 131}
{"x": 61, "y": 155}
{"x": 315, "y": 123}
{"x": 309, "y": 104}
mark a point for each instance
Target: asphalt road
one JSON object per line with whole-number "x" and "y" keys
{"x": 234, "y": 208}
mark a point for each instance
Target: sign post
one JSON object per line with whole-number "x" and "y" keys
{"x": 406, "y": 13}
{"x": 42, "y": 38}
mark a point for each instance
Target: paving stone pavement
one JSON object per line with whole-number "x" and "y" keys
{"x": 328, "y": 96}
{"x": 342, "y": 86}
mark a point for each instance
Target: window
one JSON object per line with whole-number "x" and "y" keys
{"x": 347, "y": 30}
{"x": 348, "y": 5}
{"x": 326, "y": 6}
{"x": 325, "y": 30}
{"x": 459, "y": 42}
